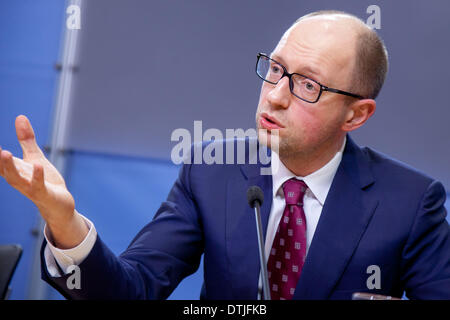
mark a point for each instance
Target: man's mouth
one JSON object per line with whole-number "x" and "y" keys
{"x": 269, "y": 122}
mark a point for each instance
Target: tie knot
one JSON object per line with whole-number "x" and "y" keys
{"x": 294, "y": 190}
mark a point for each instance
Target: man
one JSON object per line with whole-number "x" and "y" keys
{"x": 332, "y": 210}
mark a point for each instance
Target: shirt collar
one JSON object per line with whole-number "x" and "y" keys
{"x": 319, "y": 182}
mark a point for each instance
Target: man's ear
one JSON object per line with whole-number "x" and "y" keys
{"x": 358, "y": 113}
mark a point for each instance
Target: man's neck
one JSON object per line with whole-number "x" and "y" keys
{"x": 303, "y": 164}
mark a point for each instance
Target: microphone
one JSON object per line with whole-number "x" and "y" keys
{"x": 255, "y": 198}
{"x": 255, "y": 194}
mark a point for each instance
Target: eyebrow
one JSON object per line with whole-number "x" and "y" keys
{"x": 305, "y": 70}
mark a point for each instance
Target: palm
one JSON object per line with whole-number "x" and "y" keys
{"x": 35, "y": 176}
{"x": 25, "y": 169}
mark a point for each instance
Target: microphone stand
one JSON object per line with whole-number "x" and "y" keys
{"x": 262, "y": 256}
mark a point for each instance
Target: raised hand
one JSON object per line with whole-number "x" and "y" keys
{"x": 36, "y": 178}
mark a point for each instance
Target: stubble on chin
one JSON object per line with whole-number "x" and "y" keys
{"x": 271, "y": 139}
{"x": 281, "y": 145}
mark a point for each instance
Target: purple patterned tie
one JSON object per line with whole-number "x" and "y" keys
{"x": 288, "y": 252}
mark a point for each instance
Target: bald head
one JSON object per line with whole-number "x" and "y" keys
{"x": 368, "y": 63}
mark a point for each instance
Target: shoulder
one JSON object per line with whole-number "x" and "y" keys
{"x": 397, "y": 175}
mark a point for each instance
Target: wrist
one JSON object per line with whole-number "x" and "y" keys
{"x": 70, "y": 232}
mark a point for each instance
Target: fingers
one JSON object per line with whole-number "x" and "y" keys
{"x": 32, "y": 187}
{"x": 27, "y": 139}
{"x": 37, "y": 180}
{"x": 24, "y": 129}
{"x": 1, "y": 165}
{"x": 38, "y": 191}
{"x": 10, "y": 173}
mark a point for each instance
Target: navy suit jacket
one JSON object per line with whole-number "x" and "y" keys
{"x": 378, "y": 212}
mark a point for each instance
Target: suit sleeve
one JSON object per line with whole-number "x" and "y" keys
{"x": 164, "y": 252}
{"x": 426, "y": 255}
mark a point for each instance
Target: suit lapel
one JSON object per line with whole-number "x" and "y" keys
{"x": 242, "y": 241}
{"x": 344, "y": 218}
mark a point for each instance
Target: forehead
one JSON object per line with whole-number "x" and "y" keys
{"x": 324, "y": 45}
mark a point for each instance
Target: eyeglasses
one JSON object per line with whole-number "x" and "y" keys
{"x": 301, "y": 86}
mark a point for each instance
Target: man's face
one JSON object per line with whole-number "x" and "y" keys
{"x": 322, "y": 49}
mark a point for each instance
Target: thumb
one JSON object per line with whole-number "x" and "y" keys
{"x": 27, "y": 139}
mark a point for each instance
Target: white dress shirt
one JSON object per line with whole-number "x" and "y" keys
{"x": 318, "y": 182}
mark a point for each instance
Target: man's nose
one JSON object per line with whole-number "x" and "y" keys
{"x": 280, "y": 94}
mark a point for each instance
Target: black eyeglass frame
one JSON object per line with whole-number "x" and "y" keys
{"x": 291, "y": 84}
